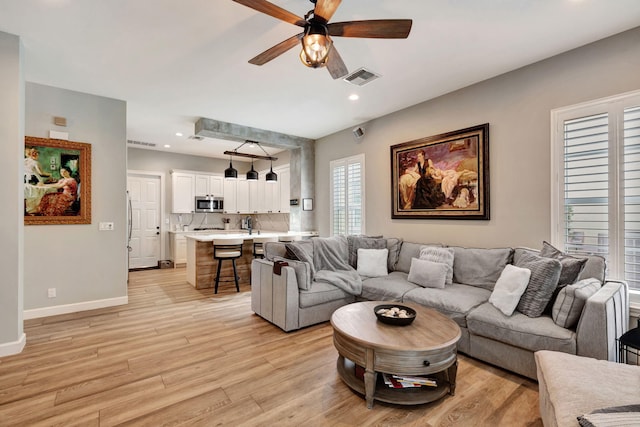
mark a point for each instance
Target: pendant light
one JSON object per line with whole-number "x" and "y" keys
{"x": 230, "y": 173}
{"x": 271, "y": 176}
{"x": 252, "y": 174}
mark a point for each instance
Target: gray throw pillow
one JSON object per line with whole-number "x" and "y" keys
{"x": 480, "y": 267}
{"x": 362, "y": 242}
{"x": 394, "y": 245}
{"x": 571, "y": 266}
{"x": 545, "y": 273}
{"x": 301, "y": 251}
{"x": 571, "y": 299}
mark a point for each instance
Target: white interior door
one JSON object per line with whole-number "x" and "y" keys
{"x": 144, "y": 193}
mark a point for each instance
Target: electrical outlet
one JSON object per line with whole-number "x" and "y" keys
{"x": 106, "y": 226}
{"x": 51, "y": 292}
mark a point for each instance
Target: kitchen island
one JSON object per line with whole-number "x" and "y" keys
{"x": 201, "y": 267}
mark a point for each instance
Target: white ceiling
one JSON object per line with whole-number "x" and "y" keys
{"x": 176, "y": 61}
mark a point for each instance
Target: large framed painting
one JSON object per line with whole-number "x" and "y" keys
{"x": 57, "y": 181}
{"x": 442, "y": 176}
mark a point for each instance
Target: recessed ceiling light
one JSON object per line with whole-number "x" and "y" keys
{"x": 178, "y": 133}
{"x": 167, "y": 146}
{"x": 354, "y": 97}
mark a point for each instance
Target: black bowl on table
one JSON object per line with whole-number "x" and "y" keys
{"x": 396, "y": 321}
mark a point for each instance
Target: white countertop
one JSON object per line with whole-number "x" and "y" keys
{"x": 244, "y": 234}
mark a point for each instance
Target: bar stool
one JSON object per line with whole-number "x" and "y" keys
{"x": 225, "y": 249}
{"x": 288, "y": 238}
{"x": 258, "y": 245}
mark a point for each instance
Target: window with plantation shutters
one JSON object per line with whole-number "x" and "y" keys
{"x": 596, "y": 183}
{"x": 347, "y": 195}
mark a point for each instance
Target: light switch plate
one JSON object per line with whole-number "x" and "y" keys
{"x": 106, "y": 226}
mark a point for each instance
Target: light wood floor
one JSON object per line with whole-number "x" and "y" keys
{"x": 177, "y": 356}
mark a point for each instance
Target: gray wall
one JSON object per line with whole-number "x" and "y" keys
{"x": 517, "y": 106}
{"x": 82, "y": 263}
{"x": 11, "y": 228}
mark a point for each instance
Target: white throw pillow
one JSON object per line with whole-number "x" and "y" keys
{"x": 509, "y": 288}
{"x": 372, "y": 262}
{"x": 427, "y": 274}
{"x": 441, "y": 255}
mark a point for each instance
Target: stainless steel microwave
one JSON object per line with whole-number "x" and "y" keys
{"x": 209, "y": 204}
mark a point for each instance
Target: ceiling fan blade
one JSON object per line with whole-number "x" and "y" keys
{"x": 335, "y": 64}
{"x": 374, "y": 29}
{"x": 325, "y": 9}
{"x": 272, "y": 10}
{"x": 276, "y": 50}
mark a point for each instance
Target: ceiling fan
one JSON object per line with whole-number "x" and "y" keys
{"x": 317, "y": 46}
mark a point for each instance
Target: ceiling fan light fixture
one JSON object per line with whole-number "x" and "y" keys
{"x": 316, "y": 45}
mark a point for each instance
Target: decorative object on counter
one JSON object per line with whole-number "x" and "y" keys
{"x": 226, "y": 222}
{"x": 442, "y": 177}
{"x": 57, "y": 182}
{"x": 307, "y": 204}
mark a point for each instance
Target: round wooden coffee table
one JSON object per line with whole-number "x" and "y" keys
{"x": 427, "y": 347}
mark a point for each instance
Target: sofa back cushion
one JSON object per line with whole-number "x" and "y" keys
{"x": 362, "y": 242}
{"x": 274, "y": 249}
{"x": 479, "y": 266}
{"x": 410, "y": 250}
{"x": 393, "y": 244}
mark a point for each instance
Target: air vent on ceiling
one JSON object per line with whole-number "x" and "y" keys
{"x": 145, "y": 144}
{"x": 361, "y": 77}
{"x": 196, "y": 137}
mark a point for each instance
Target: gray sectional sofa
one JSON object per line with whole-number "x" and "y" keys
{"x": 292, "y": 300}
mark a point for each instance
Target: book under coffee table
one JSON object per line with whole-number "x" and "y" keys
{"x": 426, "y": 347}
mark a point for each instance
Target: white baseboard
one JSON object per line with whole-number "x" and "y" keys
{"x": 73, "y": 308}
{"x": 9, "y": 348}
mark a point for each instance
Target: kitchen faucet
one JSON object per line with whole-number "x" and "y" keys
{"x": 249, "y": 225}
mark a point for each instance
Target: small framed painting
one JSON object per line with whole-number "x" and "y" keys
{"x": 57, "y": 181}
{"x": 442, "y": 176}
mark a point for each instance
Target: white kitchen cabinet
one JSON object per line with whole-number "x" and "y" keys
{"x": 257, "y": 196}
{"x": 182, "y": 192}
{"x": 178, "y": 244}
{"x": 272, "y": 196}
{"x": 230, "y": 196}
{"x": 242, "y": 196}
{"x": 216, "y": 185}
{"x": 209, "y": 185}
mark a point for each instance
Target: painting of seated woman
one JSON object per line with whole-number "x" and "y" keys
{"x": 444, "y": 176}
{"x": 56, "y": 182}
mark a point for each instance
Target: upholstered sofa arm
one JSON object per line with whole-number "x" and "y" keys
{"x": 275, "y": 297}
{"x": 605, "y": 317}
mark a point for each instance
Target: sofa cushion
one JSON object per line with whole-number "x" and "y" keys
{"x": 545, "y": 273}
{"x": 427, "y": 273}
{"x": 302, "y": 269}
{"x": 440, "y": 255}
{"x": 571, "y": 300}
{"x": 518, "y": 330}
{"x": 571, "y": 266}
{"x": 274, "y": 249}
{"x": 372, "y": 262}
{"x": 595, "y": 267}
{"x": 393, "y": 244}
{"x": 480, "y": 267}
{"x": 410, "y": 250}
{"x": 387, "y": 288}
{"x": 455, "y": 300}
{"x": 320, "y": 293}
{"x": 509, "y": 288}
{"x": 356, "y": 242}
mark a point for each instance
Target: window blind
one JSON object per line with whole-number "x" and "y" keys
{"x": 347, "y": 195}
